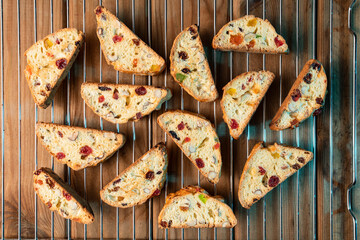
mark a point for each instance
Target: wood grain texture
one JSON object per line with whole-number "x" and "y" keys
{"x": 278, "y": 214}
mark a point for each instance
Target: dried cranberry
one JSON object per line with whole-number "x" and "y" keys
{"x": 262, "y": 171}
{"x": 150, "y": 175}
{"x": 296, "y": 95}
{"x": 173, "y": 134}
{"x": 278, "y": 42}
{"x": 136, "y": 41}
{"x": 181, "y": 126}
{"x": 274, "y": 181}
{"x": 98, "y": 10}
{"x": 243, "y": 87}
{"x": 61, "y": 63}
{"x": 116, "y": 94}
{"x": 234, "y": 124}
{"x": 301, "y": 160}
{"x": 296, "y": 166}
{"x": 101, "y": 99}
{"x": 294, "y": 122}
{"x": 316, "y": 66}
{"x": 77, "y": 43}
{"x": 156, "y": 193}
{"x": 217, "y": 146}
{"x": 185, "y": 70}
{"x": 50, "y": 183}
{"x": 199, "y": 163}
{"x": 319, "y": 101}
{"x": 250, "y": 79}
{"x": 49, "y": 204}
{"x": 163, "y": 224}
{"x": 158, "y": 172}
{"x": 103, "y": 88}
{"x": 60, "y": 155}
{"x": 48, "y": 87}
{"x": 117, "y": 181}
{"x": 60, "y": 134}
{"x": 138, "y": 115}
{"x": 140, "y": 91}
{"x": 37, "y": 172}
{"x": 192, "y": 31}
{"x": 183, "y": 55}
{"x": 187, "y": 139}
{"x": 86, "y": 150}
{"x": 117, "y": 38}
{"x": 307, "y": 78}
{"x": 194, "y": 37}
{"x": 42, "y": 93}
{"x": 67, "y": 195}
{"x": 170, "y": 222}
{"x": 57, "y": 41}
{"x": 317, "y": 112}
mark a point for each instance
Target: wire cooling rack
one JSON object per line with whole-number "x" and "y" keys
{"x": 318, "y": 206}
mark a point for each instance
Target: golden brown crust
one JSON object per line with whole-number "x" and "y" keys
{"x": 120, "y": 136}
{"x": 61, "y": 184}
{"x": 173, "y": 73}
{"x": 255, "y": 106}
{"x": 299, "y": 79}
{"x": 159, "y": 147}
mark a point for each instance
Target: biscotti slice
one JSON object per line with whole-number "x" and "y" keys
{"x": 249, "y": 34}
{"x": 241, "y": 97}
{"x": 189, "y": 66}
{"x": 267, "y": 167}
{"x": 78, "y": 147}
{"x": 197, "y": 138}
{"x": 60, "y": 197}
{"x": 122, "y": 49}
{"x": 49, "y": 60}
{"x": 305, "y": 97}
{"x": 120, "y": 103}
{"x": 193, "y": 207}
{"x": 140, "y": 181}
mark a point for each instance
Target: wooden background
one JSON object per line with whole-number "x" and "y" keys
{"x": 311, "y": 204}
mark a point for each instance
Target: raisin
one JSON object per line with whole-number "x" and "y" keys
{"x": 240, "y": 29}
{"x": 199, "y": 163}
{"x": 67, "y": 195}
{"x": 316, "y": 66}
{"x": 48, "y": 87}
{"x": 307, "y": 78}
{"x": 86, "y": 150}
{"x": 185, "y": 70}
{"x": 187, "y": 139}
{"x": 163, "y": 224}
{"x": 140, "y": 91}
{"x": 138, "y": 115}
{"x": 173, "y": 134}
{"x": 317, "y": 112}
{"x": 156, "y": 193}
{"x": 60, "y": 134}
{"x": 183, "y": 55}
{"x": 136, "y": 41}
{"x": 217, "y": 146}
{"x": 192, "y": 31}
{"x": 103, "y": 88}
{"x": 262, "y": 171}
{"x": 37, "y": 172}
{"x": 296, "y": 166}
{"x": 105, "y": 105}
{"x": 301, "y": 160}
{"x": 150, "y": 175}
{"x": 116, "y": 94}
{"x": 117, "y": 181}
{"x": 61, "y": 63}
{"x": 50, "y": 183}
{"x": 231, "y": 25}
{"x": 194, "y": 37}
{"x": 42, "y": 93}
{"x": 158, "y": 172}
{"x": 278, "y": 42}
{"x": 181, "y": 126}
{"x": 274, "y": 181}
{"x": 77, "y": 43}
{"x": 115, "y": 189}
{"x": 169, "y": 224}
{"x": 49, "y": 204}
{"x": 296, "y": 95}
{"x": 117, "y": 38}
{"x": 227, "y": 32}
{"x": 101, "y": 99}
{"x": 98, "y": 10}
{"x": 60, "y": 155}
{"x": 124, "y": 204}
{"x": 234, "y": 124}
{"x": 319, "y": 101}
{"x": 236, "y": 39}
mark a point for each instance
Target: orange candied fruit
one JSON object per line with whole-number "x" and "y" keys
{"x": 236, "y": 39}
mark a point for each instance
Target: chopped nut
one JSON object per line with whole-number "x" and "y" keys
{"x": 112, "y": 58}
{"x": 146, "y": 190}
{"x": 212, "y": 175}
{"x": 73, "y": 136}
{"x": 109, "y": 135}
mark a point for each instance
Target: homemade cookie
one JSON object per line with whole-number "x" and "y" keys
{"x": 120, "y": 103}
{"x": 197, "y": 138}
{"x": 249, "y": 34}
{"x": 241, "y": 97}
{"x": 60, "y": 197}
{"x": 189, "y": 66}
{"x": 267, "y": 167}
{"x": 140, "y": 181}
{"x": 76, "y": 146}
{"x": 49, "y": 61}
{"x": 305, "y": 97}
{"x": 122, "y": 49}
{"x": 193, "y": 207}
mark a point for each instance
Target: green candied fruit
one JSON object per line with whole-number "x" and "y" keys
{"x": 258, "y": 36}
{"x": 180, "y": 77}
{"x": 202, "y": 198}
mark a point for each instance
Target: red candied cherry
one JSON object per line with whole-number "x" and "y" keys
{"x": 67, "y": 196}
{"x": 199, "y": 163}
{"x": 140, "y": 91}
{"x": 60, "y": 155}
{"x": 181, "y": 126}
{"x": 156, "y": 193}
{"x": 60, "y": 134}
{"x": 98, "y": 10}
{"x": 274, "y": 181}
{"x": 262, "y": 171}
{"x": 101, "y": 99}
{"x": 234, "y": 124}
{"x": 61, "y": 63}
{"x": 150, "y": 175}
{"x": 86, "y": 150}
{"x": 296, "y": 95}
{"x": 217, "y": 146}
{"x": 117, "y": 38}
{"x": 278, "y": 42}
{"x": 187, "y": 139}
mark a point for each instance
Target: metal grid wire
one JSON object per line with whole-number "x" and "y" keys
{"x": 231, "y": 147}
